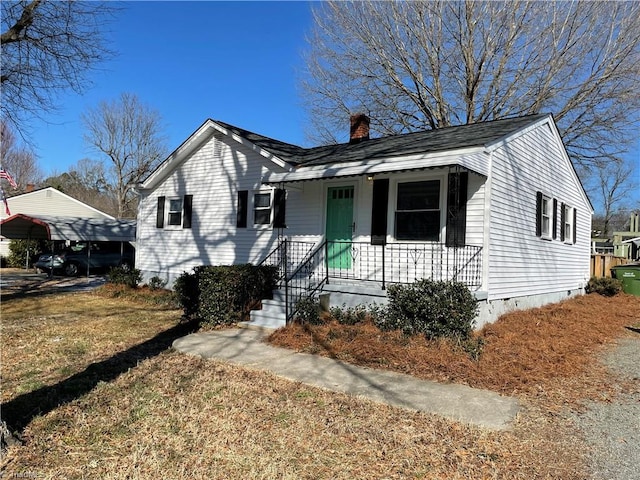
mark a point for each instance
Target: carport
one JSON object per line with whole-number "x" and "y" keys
{"x": 25, "y": 227}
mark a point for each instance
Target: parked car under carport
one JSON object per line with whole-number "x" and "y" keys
{"x": 118, "y": 234}
{"x": 79, "y": 259}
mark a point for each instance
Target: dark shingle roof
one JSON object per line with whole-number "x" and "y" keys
{"x": 449, "y": 138}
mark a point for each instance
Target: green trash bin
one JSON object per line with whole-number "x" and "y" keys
{"x": 630, "y": 277}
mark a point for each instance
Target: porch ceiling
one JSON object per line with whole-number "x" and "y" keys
{"x": 378, "y": 166}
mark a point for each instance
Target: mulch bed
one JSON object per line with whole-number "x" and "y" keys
{"x": 528, "y": 352}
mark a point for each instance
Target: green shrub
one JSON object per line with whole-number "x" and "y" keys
{"x": 20, "y": 250}
{"x": 308, "y": 311}
{"x": 605, "y": 286}
{"x": 187, "y": 293}
{"x": 227, "y": 293}
{"x": 428, "y": 307}
{"x": 473, "y": 346}
{"x": 124, "y": 275}
{"x": 349, "y": 315}
{"x": 156, "y": 283}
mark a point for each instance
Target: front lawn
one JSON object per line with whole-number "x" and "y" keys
{"x": 91, "y": 385}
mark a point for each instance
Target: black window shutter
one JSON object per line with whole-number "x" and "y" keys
{"x": 575, "y": 225}
{"x": 187, "y": 207}
{"x": 563, "y": 219}
{"x": 457, "y": 208}
{"x": 379, "y": 204}
{"x": 243, "y": 202}
{"x": 538, "y": 214}
{"x": 555, "y": 219}
{"x": 279, "y": 208}
{"x": 160, "y": 213}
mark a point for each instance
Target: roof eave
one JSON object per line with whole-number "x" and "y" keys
{"x": 190, "y": 144}
{"x": 382, "y": 165}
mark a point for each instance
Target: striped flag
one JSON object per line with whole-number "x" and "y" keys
{"x": 4, "y": 199}
{"x": 5, "y": 174}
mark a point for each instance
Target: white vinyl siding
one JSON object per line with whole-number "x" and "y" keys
{"x": 50, "y": 202}
{"x": 520, "y": 263}
{"x": 213, "y": 174}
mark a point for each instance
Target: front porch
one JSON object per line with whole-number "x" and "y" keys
{"x": 307, "y": 269}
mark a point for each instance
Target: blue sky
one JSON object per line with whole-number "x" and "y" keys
{"x": 231, "y": 61}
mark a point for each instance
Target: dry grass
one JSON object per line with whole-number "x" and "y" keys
{"x": 167, "y": 415}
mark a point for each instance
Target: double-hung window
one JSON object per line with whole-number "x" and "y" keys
{"x": 417, "y": 215}
{"x": 546, "y": 217}
{"x": 568, "y": 220}
{"x": 544, "y": 212}
{"x": 267, "y": 208}
{"x": 174, "y": 212}
{"x": 174, "y": 215}
{"x": 262, "y": 208}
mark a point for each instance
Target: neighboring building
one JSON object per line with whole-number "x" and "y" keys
{"x": 46, "y": 202}
{"x": 496, "y": 205}
{"x": 627, "y": 244}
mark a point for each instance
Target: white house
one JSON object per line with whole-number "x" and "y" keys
{"x": 495, "y": 205}
{"x": 48, "y": 202}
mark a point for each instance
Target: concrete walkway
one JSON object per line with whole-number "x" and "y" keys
{"x": 457, "y": 402}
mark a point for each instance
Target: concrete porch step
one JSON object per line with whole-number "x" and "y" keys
{"x": 271, "y": 317}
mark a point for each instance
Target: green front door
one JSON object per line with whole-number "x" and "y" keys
{"x": 339, "y": 226}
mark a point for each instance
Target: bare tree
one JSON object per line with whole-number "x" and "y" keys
{"x": 18, "y": 160}
{"x": 48, "y": 46}
{"x": 128, "y": 134}
{"x": 87, "y": 182}
{"x": 425, "y": 65}
{"x": 613, "y": 183}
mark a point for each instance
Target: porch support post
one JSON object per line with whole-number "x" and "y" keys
{"x": 286, "y": 283}
{"x": 326, "y": 261}
{"x": 383, "y": 267}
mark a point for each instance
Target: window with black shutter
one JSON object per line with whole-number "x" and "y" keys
{"x": 188, "y": 207}
{"x": 243, "y": 202}
{"x": 379, "y": 205}
{"x": 160, "y": 213}
{"x": 279, "y": 208}
{"x": 457, "y": 208}
{"x": 544, "y": 216}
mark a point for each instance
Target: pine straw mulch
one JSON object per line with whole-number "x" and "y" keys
{"x": 545, "y": 352}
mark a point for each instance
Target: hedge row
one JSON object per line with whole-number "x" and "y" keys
{"x": 223, "y": 295}
{"x": 427, "y": 307}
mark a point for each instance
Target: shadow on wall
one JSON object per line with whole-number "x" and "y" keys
{"x": 213, "y": 237}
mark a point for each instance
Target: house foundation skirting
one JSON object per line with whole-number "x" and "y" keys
{"x": 490, "y": 310}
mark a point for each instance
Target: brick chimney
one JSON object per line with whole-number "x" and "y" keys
{"x": 359, "y": 128}
{"x": 30, "y": 187}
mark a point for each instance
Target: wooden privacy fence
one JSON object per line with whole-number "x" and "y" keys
{"x": 601, "y": 264}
